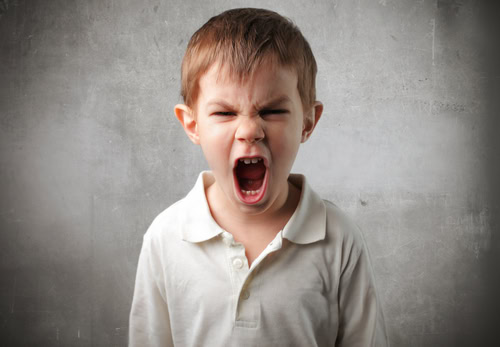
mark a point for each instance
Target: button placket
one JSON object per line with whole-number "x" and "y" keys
{"x": 238, "y": 266}
{"x": 246, "y": 304}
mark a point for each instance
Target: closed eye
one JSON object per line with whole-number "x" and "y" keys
{"x": 224, "y": 113}
{"x": 272, "y": 111}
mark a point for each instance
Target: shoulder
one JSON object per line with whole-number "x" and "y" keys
{"x": 343, "y": 232}
{"x": 166, "y": 225}
{"x": 341, "y": 224}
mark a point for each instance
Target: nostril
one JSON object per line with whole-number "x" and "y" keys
{"x": 257, "y": 139}
{"x": 252, "y": 139}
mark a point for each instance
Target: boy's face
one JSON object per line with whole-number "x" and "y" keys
{"x": 250, "y": 133}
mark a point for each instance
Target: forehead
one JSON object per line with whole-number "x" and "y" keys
{"x": 266, "y": 82}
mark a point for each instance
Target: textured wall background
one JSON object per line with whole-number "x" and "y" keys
{"x": 91, "y": 153}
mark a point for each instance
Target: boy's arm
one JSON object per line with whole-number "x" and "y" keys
{"x": 149, "y": 323}
{"x": 361, "y": 321}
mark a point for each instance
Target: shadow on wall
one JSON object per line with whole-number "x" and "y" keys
{"x": 478, "y": 324}
{"x": 491, "y": 273}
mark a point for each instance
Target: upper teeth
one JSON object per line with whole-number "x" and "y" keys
{"x": 250, "y": 160}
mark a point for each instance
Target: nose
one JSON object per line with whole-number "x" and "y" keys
{"x": 250, "y": 130}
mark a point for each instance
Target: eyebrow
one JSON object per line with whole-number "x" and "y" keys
{"x": 268, "y": 104}
{"x": 220, "y": 103}
{"x": 275, "y": 102}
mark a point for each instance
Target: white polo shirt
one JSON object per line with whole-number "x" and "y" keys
{"x": 311, "y": 286}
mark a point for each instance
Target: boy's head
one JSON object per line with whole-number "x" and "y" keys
{"x": 242, "y": 39}
{"x": 248, "y": 84}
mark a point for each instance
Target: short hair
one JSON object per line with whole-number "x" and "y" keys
{"x": 241, "y": 39}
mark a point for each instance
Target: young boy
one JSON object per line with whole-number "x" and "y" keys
{"x": 252, "y": 256}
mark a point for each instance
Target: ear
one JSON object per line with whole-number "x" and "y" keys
{"x": 311, "y": 120}
{"x": 186, "y": 117}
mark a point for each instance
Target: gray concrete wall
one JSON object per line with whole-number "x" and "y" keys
{"x": 91, "y": 153}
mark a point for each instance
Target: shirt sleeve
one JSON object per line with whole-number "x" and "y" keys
{"x": 149, "y": 323}
{"x": 361, "y": 321}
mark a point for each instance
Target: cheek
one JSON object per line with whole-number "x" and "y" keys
{"x": 215, "y": 142}
{"x": 210, "y": 133}
{"x": 286, "y": 143}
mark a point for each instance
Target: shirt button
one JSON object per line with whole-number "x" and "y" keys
{"x": 238, "y": 263}
{"x": 245, "y": 294}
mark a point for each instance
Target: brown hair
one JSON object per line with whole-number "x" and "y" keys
{"x": 241, "y": 39}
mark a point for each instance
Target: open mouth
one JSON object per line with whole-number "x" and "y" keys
{"x": 250, "y": 179}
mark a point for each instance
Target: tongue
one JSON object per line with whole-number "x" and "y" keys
{"x": 251, "y": 171}
{"x": 250, "y": 176}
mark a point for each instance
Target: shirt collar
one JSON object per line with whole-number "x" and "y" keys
{"x": 307, "y": 224}
{"x": 198, "y": 224}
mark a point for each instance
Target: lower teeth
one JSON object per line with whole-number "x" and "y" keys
{"x": 250, "y": 192}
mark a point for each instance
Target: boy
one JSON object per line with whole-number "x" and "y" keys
{"x": 252, "y": 256}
